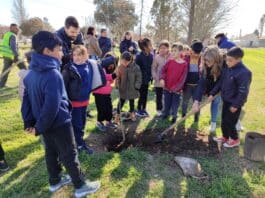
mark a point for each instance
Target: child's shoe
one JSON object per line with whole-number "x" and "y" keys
{"x": 132, "y": 116}
{"x": 220, "y": 139}
{"x": 87, "y": 188}
{"x": 232, "y": 143}
{"x": 101, "y": 126}
{"x": 140, "y": 113}
{"x": 85, "y": 149}
{"x": 4, "y": 166}
{"x": 145, "y": 114}
{"x": 65, "y": 179}
{"x": 212, "y": 127}
{"x": 111, "y": 125}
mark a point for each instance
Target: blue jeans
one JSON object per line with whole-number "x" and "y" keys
{"x": 189, "y": 93}
{"x": 214, "y": 108}
{"x": 171, "y": 102}
{"x": 79, "y": 123}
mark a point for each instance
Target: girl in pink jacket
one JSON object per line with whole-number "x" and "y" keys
{"x": 103, "y": 101}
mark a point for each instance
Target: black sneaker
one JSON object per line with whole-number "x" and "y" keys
{"x": 3, "y": 166}
{"x": 85, "y": 149}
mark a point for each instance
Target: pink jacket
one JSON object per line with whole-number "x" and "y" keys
{"x": 107, "y": 89}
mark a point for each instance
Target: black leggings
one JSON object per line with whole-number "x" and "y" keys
{"x": 104, "y": 107}
{"x": 159, "y": 96}
{"x": 121, "y": 103}
{"x": 143, "y": 97}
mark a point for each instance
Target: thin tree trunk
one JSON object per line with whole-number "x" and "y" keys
{"x": 191, "y": 19}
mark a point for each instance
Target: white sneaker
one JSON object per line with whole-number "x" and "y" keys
{"x": 158, "y": 113}
{"x": 65, "y": 179}
{"x": 212, "y": 128}
{"x": 87, "y": 188}
{"x": 239, "y": 127}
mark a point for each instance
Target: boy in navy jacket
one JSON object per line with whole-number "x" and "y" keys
{"x": 46, "y": 110}
{"x": 234, "y": 86}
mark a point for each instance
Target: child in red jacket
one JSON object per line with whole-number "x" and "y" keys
{"x": 172, "y": 79}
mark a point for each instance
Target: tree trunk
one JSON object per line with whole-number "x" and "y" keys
{"x": 191, "y": 19}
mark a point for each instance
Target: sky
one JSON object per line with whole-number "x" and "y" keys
{"x": 244, "y": 17}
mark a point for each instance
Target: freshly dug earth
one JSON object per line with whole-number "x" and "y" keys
{"x": 180, "y": 141}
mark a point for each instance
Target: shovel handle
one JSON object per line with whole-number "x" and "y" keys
{"x": 190, "y": 113}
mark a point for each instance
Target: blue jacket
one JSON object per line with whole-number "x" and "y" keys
{"x": 145, "y": 63}
{"x": 126, "y": 44}
{"x": 224, "y": 43}
{"x": 67, "y": 44}
{"x": 45, "y": 103}
{"x": 104, "y": 44}
{"x": 234, "y": 85}
{"x": 86, "y": 73}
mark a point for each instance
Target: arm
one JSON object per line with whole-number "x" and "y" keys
{"x": 154, "y": 69}
{"x": 123, "y": 47}
{"x": 138, "y": 78}
{"x": 13, "y": 45}
{"x": 53, "y": 96}
{"x": 27, "y": 115}
{"x": 200, "y": 89}
{"x": 243, "y": 81}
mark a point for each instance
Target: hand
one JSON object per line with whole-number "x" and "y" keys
{"x": 31, "y": 131}
{"x": 162, "y": 83}
{"x": 233, "y": 109}
{"x": 210, "y": 98}
{"x": 130, "y": 49}
{"x": 196, "y": 107}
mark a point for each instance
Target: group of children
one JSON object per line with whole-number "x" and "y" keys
{"x": 55, "y": 100}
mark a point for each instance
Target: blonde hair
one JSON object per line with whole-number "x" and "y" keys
{"x": 80, "y": 49}
{"x": 212, "y": 53}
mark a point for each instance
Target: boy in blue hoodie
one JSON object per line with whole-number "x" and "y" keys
{"x": 234, "y": 86}
{"x": 46, "y": 110}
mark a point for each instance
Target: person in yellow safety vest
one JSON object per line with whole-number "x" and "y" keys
{"x": 9, "y": 51}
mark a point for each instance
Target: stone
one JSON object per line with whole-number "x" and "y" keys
{"x": 254, "y": 148}
{"x": 189, "y": 166}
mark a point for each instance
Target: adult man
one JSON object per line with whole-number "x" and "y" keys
{"x": 9, "y": 51}
{"x": 223, "y": 42}
{"x": 104, "y": 42}
{"x": 70, "y": 35}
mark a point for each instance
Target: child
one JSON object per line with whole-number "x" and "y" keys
{"x": 128, "y": 81}
{"x": 3, "y": 164}
{"x": 46, "y": 110}
{"x": 78, "y": 82}
{"x": 172, "y": 80}
{"x": 144, "y": 60}
{"x": 234, "y": 86}
{"x": 211, "y": 66}
{"x": 22, "y": 74}
{"x": 192, "y": 77}
{"x": 158, "y": 63}
{"x": 103, "y": 99}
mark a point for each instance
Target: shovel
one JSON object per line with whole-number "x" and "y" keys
{"x": 160, "y": 137}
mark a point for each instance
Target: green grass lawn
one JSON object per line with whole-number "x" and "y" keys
{"x": 136, "y": 173}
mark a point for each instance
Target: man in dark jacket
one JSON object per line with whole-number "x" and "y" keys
{"x": 223, "y": 42}
{"x": 46, "y": 110}
{"x": 104, "y": 42}
{"x": 70, "y": 35}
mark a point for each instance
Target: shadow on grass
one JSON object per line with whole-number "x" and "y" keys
{"x": 8, "y": 93}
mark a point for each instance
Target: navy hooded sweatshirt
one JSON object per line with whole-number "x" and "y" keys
{"x": 45, "y": 104}
{"x": 104, "y": 44}
{"x": 234, "y": 85}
